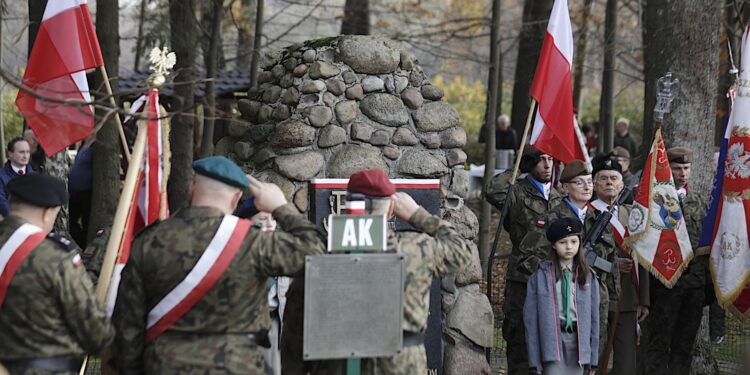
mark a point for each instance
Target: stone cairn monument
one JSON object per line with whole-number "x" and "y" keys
{"x": 330, "y": 107}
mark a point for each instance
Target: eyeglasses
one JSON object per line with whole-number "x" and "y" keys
{"x": 581, "y": 183}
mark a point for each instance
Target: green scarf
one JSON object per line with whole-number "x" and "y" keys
{"x": 566, "y": 302}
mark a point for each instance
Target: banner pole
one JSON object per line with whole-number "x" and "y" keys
{"x": 120, "y": 129}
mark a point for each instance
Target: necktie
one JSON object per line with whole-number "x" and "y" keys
{"x": 566, "y": 302}
{"x": 21, "y": 172}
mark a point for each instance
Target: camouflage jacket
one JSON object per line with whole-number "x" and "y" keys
{"x": 50, "y": 309}
{"x": 437, "y": 252}
{"x": 213, "y": 334}
{"x": 694, "y": 211}
{"x": 93, "y": 254}
{"x": 524, "y": 222}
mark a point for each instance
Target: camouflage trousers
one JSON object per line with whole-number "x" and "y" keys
{"x": 412, "y": 360}
{"x": 514, "y": 331}
{"x": 217, "y": 355}
{"x": 673, "y": 323}
{"x": 34, "y": 371}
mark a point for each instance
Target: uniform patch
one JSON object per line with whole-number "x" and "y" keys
{"x": 63, "y": 242}
{"x": 540, "y": 223}
{"x": 77, "y": 261}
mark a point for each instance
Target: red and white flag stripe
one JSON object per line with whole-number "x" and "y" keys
{"x": 15, "y": 250}
{"x": 210, "y": 267}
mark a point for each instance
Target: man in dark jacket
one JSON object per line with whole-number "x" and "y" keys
{"x": 19, "y": 153}
{"x": 623, "y": 138}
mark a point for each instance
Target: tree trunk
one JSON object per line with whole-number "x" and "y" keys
{"x": 36, "y": 11}
{"x": 209, "y": 112}
{"x": 607, "y": 100}
{"x": 183, "y": 38}
{"x": 356, "y": 18}
{"x": 107, "y": 148}
{"x": 535, "y": 16}
{"x": 139, "y": 37}
{"x": 259, "y": 20}
{"x": 245, "y": 33}
{"x": 683, "y": 36}
{"x": 580, "y": 53}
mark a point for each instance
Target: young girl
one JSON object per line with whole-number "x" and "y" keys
{"x": 561, "y": 312}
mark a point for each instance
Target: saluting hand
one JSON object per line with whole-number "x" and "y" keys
{"x": 268, "y": 197}
{"x": 404, "y": 206}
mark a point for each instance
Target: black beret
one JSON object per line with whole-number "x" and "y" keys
{"x": 39, "y": 190}
{"x": 682, "y": 155}
{"x": 529, "y": 159}
{"x": 607, "y": 165}
{"x": 574, "y": 169}
{"x": 564, "y": 227}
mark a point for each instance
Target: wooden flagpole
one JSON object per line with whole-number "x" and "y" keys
{"x": 120, "y": 129}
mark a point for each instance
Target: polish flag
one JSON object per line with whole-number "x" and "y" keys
{"x": 65, "y": 48}
{"x": 554, "y": 130}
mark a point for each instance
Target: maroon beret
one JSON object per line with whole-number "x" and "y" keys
{"x": 372, "y": 183}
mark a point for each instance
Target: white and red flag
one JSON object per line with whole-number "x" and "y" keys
{"x": 149, "y": 192}
{"x": 656, "y": 226}
{"x": 65, "y": 48}
{"x": 726, "y": 230}
{"x": 554, "y": 130}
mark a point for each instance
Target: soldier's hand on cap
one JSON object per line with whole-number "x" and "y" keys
{"x": 268, "y": 197}
{"x": 404, "y": 206}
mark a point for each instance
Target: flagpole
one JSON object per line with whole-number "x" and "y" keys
{"x": 120, "y": 129}
{"x": 167, "y": 167}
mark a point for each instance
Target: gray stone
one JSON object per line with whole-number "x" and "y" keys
{"x": 272, "y": 94}
{"x": 287, "y": 81}
{"x": 301, "y": 200}
{"x": 286, "y": 186}
{"x": 361, "y": 131}
{"x": 448, "y": 284}
{"x": 269, "y": 59}
{"x": 435, "y": 116}
{"x": 431, "y": 92}
{"x": 354, "y": 158}
{"x": 462, "y": 358}
{"x": 309, "y": 56}
{"x": 430, "y": 140}
{"x": 390, "y": 84}
{"x": 260, "y": 132}
{"x": 416, "y": 77}
{"x": 326, "y": 55}
{"x": 412, "y": 98}
{"x": 312, "y": 87}
{"x": 264, "y": 77}
{"x": 290, "y": 64}
{"x": 421, "y": 163}
{"x": 290, "y": 97}
{"x": 346, "y": 111}
{"x": 322, "y": 69}
{"x": 372, "y": 83}
{"x": 278, "y": 71}
{"x": 385, "y": 109}
{"x": 281, "y": 113}
{"x": 349, "y": 77}
{"x": 407, "y": 60}
{"x": 460, "y": 182}
{"x": 404, "y": 137}
{"x": 472, "y": 272}
{"x": 249, "y": 109}
{"x": 264, "y": 114}
{"x": 300, "y": 70}
{"x": 308, "y": 100}
{"x": 464, "y": 220}
{"x": 300, "y": 167}
{"x": 330, "y": 99}
{"x": 401, "y": 83}
{"x": 335, "y": 86}
{"x": 243, "y": 150}
{"x": 318, "y": 115}
{"x": 355, "y": 92}
{"x": 380, "y": 138}
{"x": 331, "y": 135}
{"x": 472, "y": 316}
{"x": 454, "y": 137}
{"x": 367, "y": 54}
{"x": 391, "y": 152}
{"x": 455, "y": 157}
{"x": 293, "y": 133}
{"x": 224, "y": 146}
{"x": 263, "y": 155}
{"x": 293, "y": 150}
{"x": 238, "y": 129}
{"x": 254, "y": 93}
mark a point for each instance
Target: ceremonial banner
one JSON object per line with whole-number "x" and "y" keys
{"x": 554, "y": 130}
{"x": 65, "y": 48}
{"x": 657, "y": 231}
{"x": 726, "y": 227}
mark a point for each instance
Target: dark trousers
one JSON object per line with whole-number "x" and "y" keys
{"x": 514, "y": 331}
{"x": 673, "y": 325}
{"x": 79, "y": 210}
{"x": 625, "y": 340}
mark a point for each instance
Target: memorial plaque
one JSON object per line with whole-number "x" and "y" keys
{"x": 353, "y": 306}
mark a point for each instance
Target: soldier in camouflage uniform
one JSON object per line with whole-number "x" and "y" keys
{"x": 529, "y": 201}
{"x": 93, "y": 254}
{"x": 49, "y": 318}
{"x": 222, "y": 331}
{"x": 436, "y": 251}
{"x": 676, "y": 313}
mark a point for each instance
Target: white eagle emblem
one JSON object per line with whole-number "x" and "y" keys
{"x": 737, "y": 164}
{"x": 162, "y": 60}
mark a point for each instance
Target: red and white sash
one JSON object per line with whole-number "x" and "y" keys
{"x": 209, "y": 269}
{"x": 15, "y": 250}
{"x": 620, "y": 233}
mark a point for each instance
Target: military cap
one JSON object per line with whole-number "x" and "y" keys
{"x": 607, "y": 165}
{"x": 682, "y": 155}
{"x": 372, "y": 183}
{"x": 620, "y": 152}
{"x": 39, "y": 190}
{"x": 564, "y": 227}
{"x": 574, "y": 169}
{"x": 529, "y": 159}
{"x": 221, "y": 169}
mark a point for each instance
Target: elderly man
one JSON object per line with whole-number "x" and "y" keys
{"x": 530, "y": 200}
{"x": 623, "y": 138}
{"x": 17, "y": 165}
{"x": 193, "y": 296}
{"x": 505, "y": 136}
{"x": 49, "y": 317}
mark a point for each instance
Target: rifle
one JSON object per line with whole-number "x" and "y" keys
{"x": 593, "y": 259}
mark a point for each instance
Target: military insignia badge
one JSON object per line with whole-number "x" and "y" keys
{"x": 77, "y": 261}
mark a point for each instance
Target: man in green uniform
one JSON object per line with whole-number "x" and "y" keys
{"x": 436, "y": 251}
{"x": 193, "y": 296}
{"x": 49, "y": 317}
{"x": 530, "y": 199}
{"x": 676, "y": 313}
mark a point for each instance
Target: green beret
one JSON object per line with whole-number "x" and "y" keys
{"x": 620, "y": 152}
{"x": 574, "y": 169}
{"x": 40, "y": 190}
{"x": 221, "y": 169}
{"x": 681, "y": 155}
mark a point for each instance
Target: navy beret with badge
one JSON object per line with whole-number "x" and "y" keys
{"x": 39, "y": 190}
{"x": 222, "y": 169}
{"x": 607, "y": 165}
{"x": 564, "y": 227}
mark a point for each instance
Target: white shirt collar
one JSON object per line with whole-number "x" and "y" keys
{"x": 17, "y": 169}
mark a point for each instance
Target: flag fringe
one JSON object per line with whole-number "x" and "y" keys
{"x": 654, "y": 272}
{"x": 726, "y": 300}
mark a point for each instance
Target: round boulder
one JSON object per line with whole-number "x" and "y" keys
{"x": 421, "y": 163}
{"x": 369, "y": 55}
{"x": 293, "y": 133}
{"x": 435, "y": 116}
{"x": 300, "y": 167}
{"x": 386, "y": 109}
{"x": 354, "y": 158}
